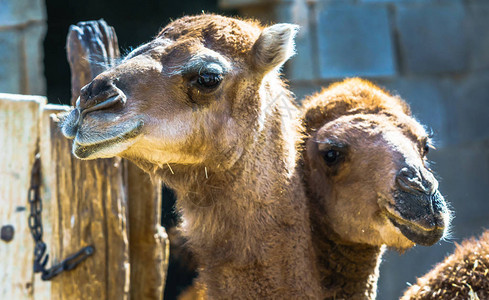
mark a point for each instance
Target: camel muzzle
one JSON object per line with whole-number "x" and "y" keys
{"x": 417, "y": 207}
{"x": 104, "y": 97}
{"x": 74, "y": 119}
{"x": 422, "y": 218}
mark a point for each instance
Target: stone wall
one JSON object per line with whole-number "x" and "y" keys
{"x": 435, "y": 54}
{"x": 22, "y": 31}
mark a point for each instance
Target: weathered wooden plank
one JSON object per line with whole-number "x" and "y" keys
{"x": 91, "y": 209}
{"x": 42, "y": 289}
{"x": 149, "y": 246}
{"x": 19, "y": 123}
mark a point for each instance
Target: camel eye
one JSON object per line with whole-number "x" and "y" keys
{"x": 332, "y": 157}
{"x": 209, "y": 80}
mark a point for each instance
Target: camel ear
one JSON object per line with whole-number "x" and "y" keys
{"x": 274, "y": 46}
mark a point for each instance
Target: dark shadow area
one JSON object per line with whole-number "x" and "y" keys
{"x": 181, "y": 267}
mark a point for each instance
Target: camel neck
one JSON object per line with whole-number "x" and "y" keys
{"x": 348, "y": 270}
{"x": 249, "y": 227}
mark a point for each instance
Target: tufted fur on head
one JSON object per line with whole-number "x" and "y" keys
{"x": 350, "y": 97}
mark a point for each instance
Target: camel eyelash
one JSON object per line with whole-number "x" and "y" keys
{"x": 429, "y": 143}
{"x": 331, "y": 143}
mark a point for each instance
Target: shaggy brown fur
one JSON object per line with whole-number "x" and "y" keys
{"x": 364, "y": 169}
{"x": 462, "y": 275}
{"x": 228, "y": 149}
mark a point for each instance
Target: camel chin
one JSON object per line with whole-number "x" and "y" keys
{"x": 421, "y": 218}
{"x": 97, "y": 135}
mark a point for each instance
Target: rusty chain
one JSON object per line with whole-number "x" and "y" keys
{"x": 35, "y": 226}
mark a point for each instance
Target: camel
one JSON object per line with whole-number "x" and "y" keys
{"x": 197, "y": 108}
{"x": 368, "y": 184}
{"x": 462, "y": 275}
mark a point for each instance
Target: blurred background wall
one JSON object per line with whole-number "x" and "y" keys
{"x": 434, "y": 53}
{"x": 22, "y": 31}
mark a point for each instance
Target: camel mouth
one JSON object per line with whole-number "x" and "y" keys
{"x": 108, "y": 146}
{"x": 99, "y": 132}
{"x": 416, "y": 233}
{"x": 72, "y": 122}
{"x": 421, "y": 218}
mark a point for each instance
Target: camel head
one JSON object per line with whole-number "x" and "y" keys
{"x": 192, "y": 95}
{"x": 366, "y": 165}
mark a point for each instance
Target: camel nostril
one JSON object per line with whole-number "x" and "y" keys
{"x": 407, "y": 173}
{"x": 410, "y": 180}
{"x": 101, "y": 93}
{"x": 118, "y": 98}
{"x": 96, "y": 92}
{"x": 85, "y": 92}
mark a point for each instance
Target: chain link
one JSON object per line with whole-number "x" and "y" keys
{"x": 35, "y": 226}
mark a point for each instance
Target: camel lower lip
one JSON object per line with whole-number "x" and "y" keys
{"x": 416, "y": 219}
{"x": 85, "y": 151}
{"x": 415, "y": 233}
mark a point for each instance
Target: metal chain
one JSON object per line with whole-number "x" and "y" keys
{"x": 35, "y": 225}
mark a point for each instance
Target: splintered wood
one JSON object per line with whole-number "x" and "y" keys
{"x": 149, "y": 244}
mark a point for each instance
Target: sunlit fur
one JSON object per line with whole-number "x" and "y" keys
{"x": 229, "y": 153}
{"x": 461, "y": 275}
{"x": 351, "y": 201}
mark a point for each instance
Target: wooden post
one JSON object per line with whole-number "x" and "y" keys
{"x": 92, "y": 47}
{"x": 48, "y": 196}
{"x": 91, "y": 209}
{"x": 149, "y": 244}
{"x": 19, "y": 123}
